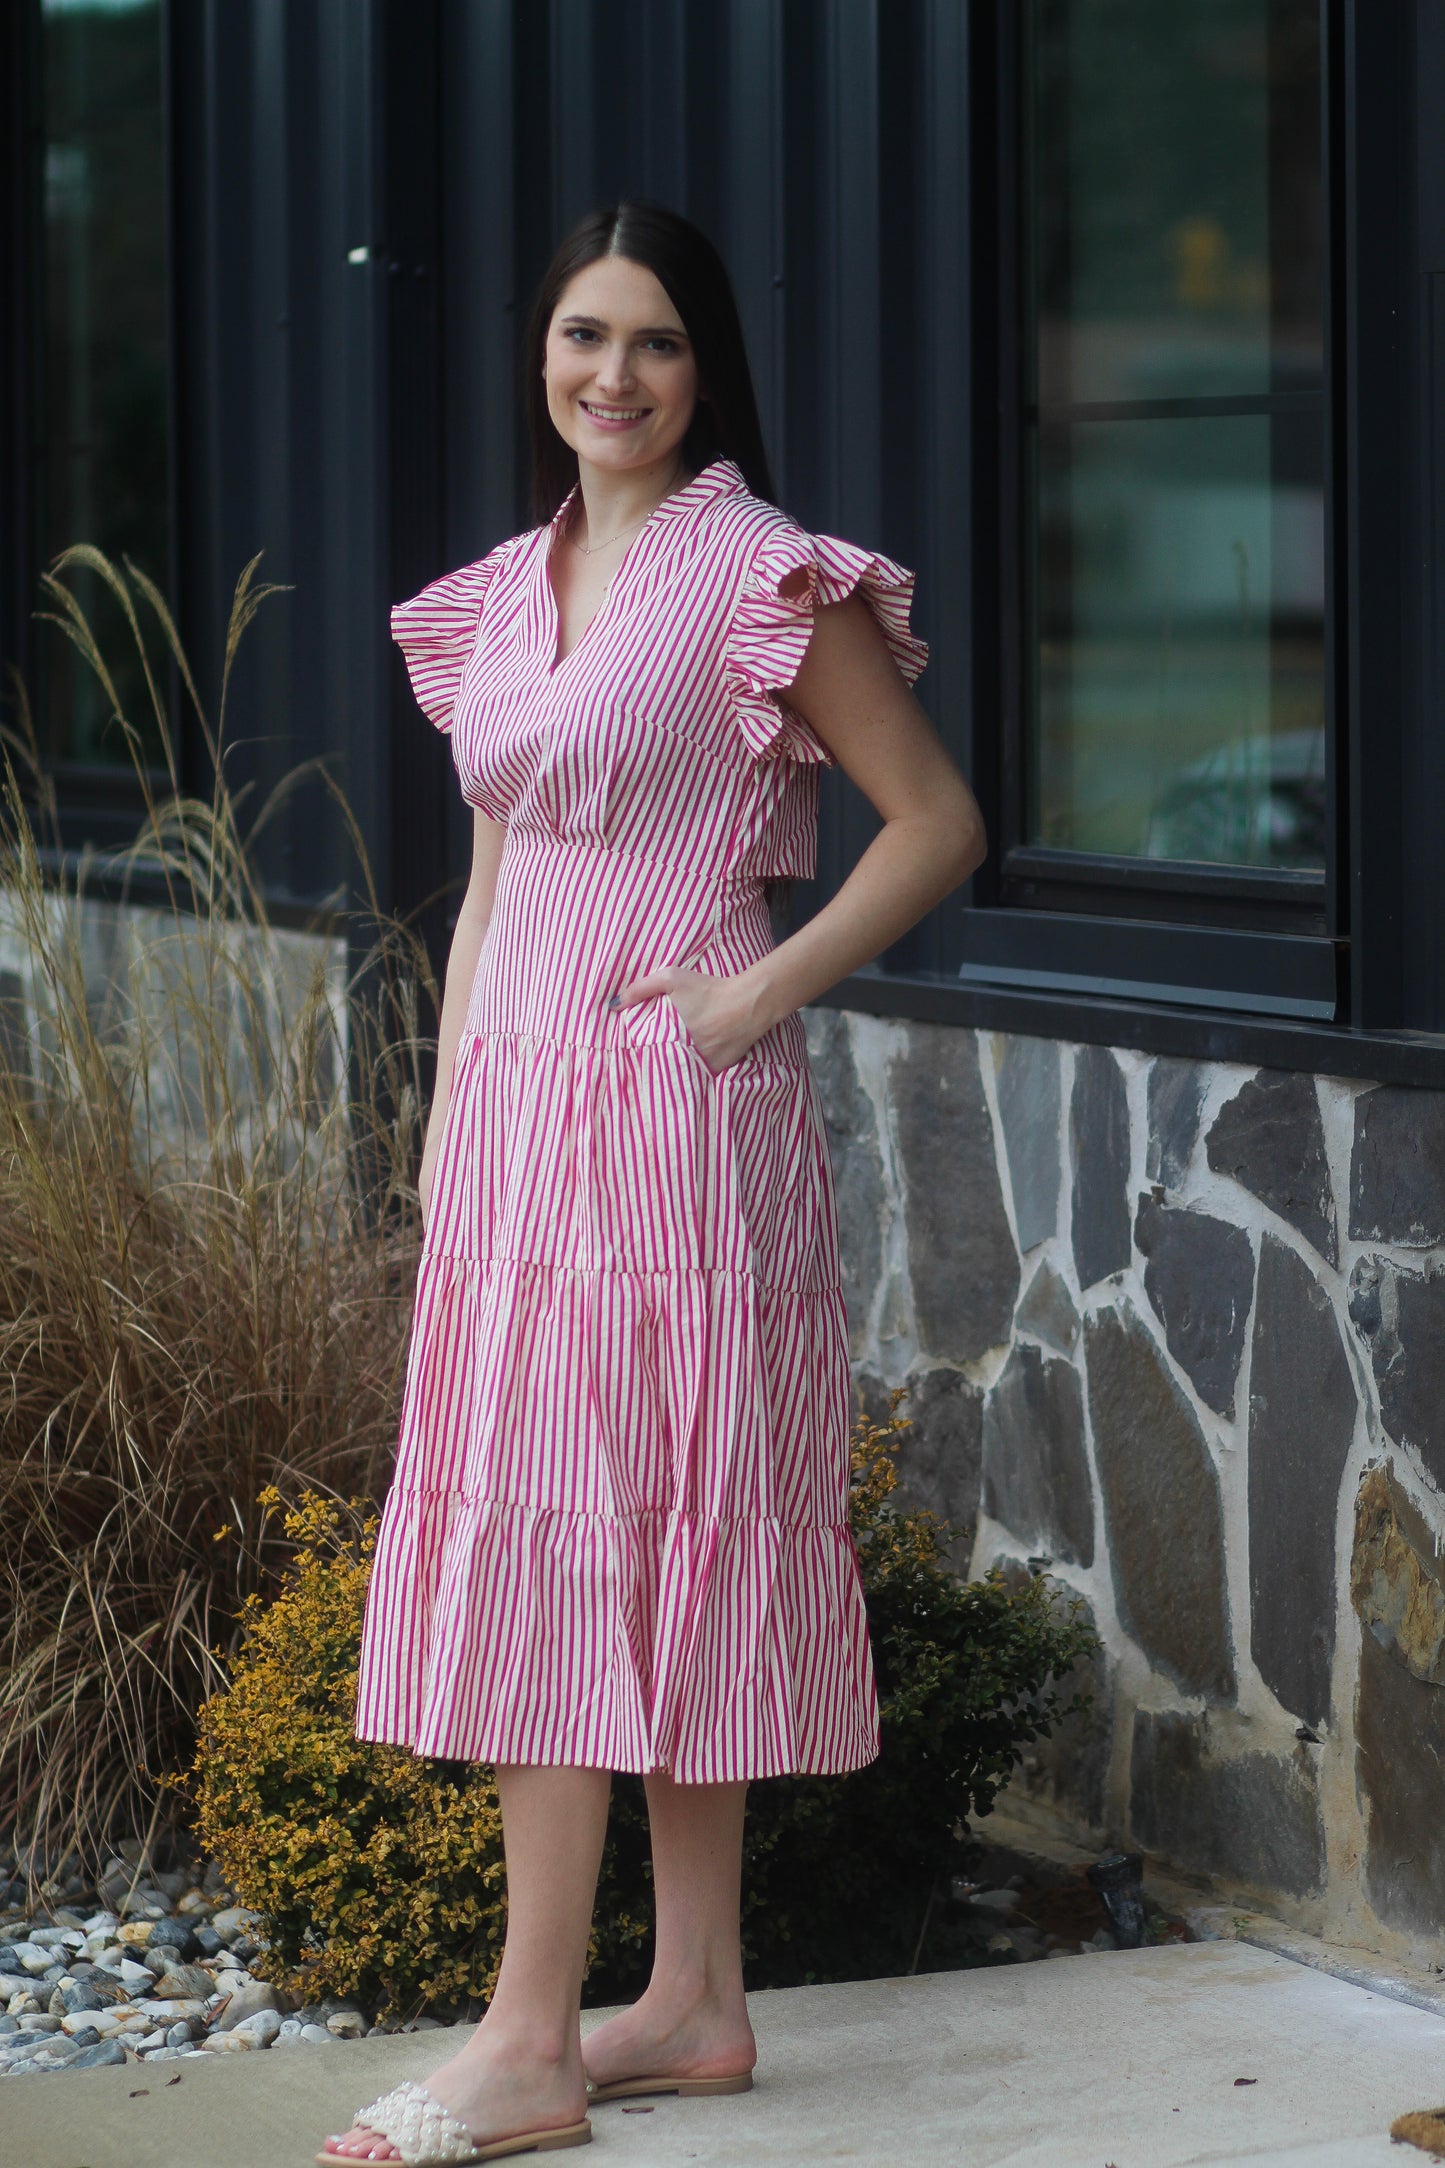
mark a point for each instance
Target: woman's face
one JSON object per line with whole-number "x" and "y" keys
{"x": 621, "y": 374}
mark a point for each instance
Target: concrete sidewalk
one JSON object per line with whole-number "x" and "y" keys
{"x": 1129, "y": 2059}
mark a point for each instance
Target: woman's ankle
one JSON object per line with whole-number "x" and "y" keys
{"x": 527, "y": 2038}
{"x": 694, "y": 1991}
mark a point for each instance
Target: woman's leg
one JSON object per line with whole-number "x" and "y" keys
{"x": 692, "y": 2021}
{"x": 522, "y": 2067}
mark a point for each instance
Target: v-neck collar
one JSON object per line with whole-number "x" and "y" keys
{"x": 717, "y": 478}
{"x": 714, "y": 480}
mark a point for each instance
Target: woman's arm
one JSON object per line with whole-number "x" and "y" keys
{"x": 471, "y": 928}
{"x": 932, "y": 838}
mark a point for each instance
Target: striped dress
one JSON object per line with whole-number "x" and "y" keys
{"x": 617, "y": 1535}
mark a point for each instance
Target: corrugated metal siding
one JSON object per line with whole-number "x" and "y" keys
{"x": 362, "y": 422}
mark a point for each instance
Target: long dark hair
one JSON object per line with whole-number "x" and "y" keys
{"x": 725, "y": 424}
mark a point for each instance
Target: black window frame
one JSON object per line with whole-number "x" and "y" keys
{"x": 1215, "y": 936}
{"x": 1345, "y": 977}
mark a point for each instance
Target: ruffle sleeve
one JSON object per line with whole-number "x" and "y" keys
{"x": 770, "y": 631}
{"x": 437, "y": 630}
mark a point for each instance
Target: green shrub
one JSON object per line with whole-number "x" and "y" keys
{"x": 841, "y": 1874}
{"x": 381, "y": 1874}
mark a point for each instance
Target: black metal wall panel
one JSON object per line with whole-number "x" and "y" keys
{"x": 22, "y": 180}
{"x": 1391, "y": 189}
{"x": 1374, "y": 137}
{"x": 1424, "y": 895}
{"x": 285, "y": 345}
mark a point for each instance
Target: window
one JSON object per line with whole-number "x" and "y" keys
{"x": 1163, "y": 493}
{"x": 100, "y": 458}
{"x": 1175, "y": 432}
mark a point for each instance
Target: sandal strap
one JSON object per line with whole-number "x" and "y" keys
{"x": 425, "y": 2134}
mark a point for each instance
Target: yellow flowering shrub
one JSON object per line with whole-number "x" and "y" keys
{"x": 381, "y": 1875}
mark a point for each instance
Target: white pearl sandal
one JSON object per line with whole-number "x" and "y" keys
{"x": 427, "y": 2135}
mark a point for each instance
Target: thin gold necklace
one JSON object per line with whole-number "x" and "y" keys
{"x": 590, "y": 549}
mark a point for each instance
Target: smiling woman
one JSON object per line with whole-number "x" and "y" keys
{"x": 618, "y": 1534}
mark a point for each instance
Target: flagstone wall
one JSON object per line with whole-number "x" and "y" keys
{"x": 1179, "y": 1330}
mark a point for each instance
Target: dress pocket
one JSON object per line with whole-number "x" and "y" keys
{"x": 683, "y": 1034}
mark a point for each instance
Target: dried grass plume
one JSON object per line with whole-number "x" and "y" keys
{"x": 208, "y": 1230}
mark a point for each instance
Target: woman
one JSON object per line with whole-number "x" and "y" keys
{"x": 618, "y": 1536}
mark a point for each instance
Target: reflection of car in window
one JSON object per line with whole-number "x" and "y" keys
{"x": 1257, "y": 801}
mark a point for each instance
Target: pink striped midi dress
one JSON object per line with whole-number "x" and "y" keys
{"x": 617, "y": 1534}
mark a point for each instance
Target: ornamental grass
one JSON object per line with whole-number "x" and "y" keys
{"x": 208, "y": 1234}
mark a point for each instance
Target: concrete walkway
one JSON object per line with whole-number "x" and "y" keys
{"x": 1129, "y": 2059}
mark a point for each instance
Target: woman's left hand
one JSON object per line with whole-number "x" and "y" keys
{"x": 722, "y": 1017}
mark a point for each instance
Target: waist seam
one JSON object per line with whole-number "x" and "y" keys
{"x": 541, "y": 843}
{"x": 752, "y": 1060}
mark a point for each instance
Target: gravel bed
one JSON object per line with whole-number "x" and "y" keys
{"x": 148, "y": 1966}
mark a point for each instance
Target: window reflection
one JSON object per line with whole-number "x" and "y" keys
{"x": 1175, "y": 448}
{"x": 103, "y": 460}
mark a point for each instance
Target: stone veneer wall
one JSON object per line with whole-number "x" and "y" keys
{"x": 139, "y": 964}
{"x": 1180, "y": 1329}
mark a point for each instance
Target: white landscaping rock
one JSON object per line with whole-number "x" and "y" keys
{"x": 245, "y": 2002}
{"x": 183, "y": 1980}
{"x": 261, "y": 2027}
{"x": 229, "y": 2043}
{"x": 235, "y": 1920}
{"x": 144, "y": 1905}
{"x": 109, "y": 2022}
{"x": 346, "y": 2024}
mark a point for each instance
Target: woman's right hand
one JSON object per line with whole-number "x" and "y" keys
{"x": 426, "y": 1174}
